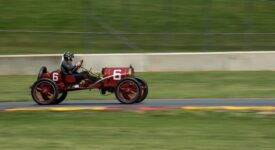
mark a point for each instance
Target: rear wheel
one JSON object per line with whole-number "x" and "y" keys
{"x": 41, "y": 71}
{"x": 143, "y": 88}
{"x": 128, "y": 91}
{"x": 44, "y": 92}
{"x": 61, "y": 97}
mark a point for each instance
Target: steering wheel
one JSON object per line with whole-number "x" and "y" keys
{"x": 80, "y": 65}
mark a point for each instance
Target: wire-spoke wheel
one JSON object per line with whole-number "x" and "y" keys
{"x": 44, "y": 92}
{"x": 128, "y": 91}
{"x": 143, "y": 88}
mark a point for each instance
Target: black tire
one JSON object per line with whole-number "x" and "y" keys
{"x": 42, "y": 70}
{"x": 61, "y": 97}
{"x": 144, "y": 89}
{"x": 46, "y": 94}
{"x": 128, "y": 95}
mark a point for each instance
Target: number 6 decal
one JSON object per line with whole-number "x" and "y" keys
{"x": 117, "y": 74}
{"x": 55, "y": 76}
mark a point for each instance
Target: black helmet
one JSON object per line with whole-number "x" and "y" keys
{"x": 68, "y": 55}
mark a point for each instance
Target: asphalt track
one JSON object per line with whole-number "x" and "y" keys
{"x": 149, "y": 104}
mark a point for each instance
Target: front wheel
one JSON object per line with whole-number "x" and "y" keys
{"x": 144, "y": 89}
{"x": 44, "y": 92}
{"x": 128, "y": 91}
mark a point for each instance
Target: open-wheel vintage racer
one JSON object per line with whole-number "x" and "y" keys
{"x": 52, "y": 87}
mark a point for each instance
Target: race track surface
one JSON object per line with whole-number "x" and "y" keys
{"x": 147, "y": 103}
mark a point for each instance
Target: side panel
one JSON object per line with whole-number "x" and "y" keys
{"x": 113, "y": 75}
{"x": 56, "y": 77}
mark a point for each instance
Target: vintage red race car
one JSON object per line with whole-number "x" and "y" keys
{"x": 52, "y": 87}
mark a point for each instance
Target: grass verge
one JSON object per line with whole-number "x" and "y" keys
{"x": 193, "y": 130}
{"x": 167, "y": 85}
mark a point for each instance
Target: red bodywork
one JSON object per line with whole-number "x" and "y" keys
{"x": 110, "y": 78}
{"x": 52, "y": 87}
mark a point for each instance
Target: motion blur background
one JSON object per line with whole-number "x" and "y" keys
{"x": 141, "y": 26}
{"x": 104, "y": 26}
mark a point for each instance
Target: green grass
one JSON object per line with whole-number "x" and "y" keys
{"x": 132, "y": 16}
{"x": 162, "y": 130}
{"x": 176, "y": 85}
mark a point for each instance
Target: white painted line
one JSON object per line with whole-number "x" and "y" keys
{"x": 149, "y": 54}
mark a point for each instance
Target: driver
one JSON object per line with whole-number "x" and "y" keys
{"x": 67, "y": 68}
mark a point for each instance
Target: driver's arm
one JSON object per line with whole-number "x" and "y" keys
{"x": 77, "y": 66}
